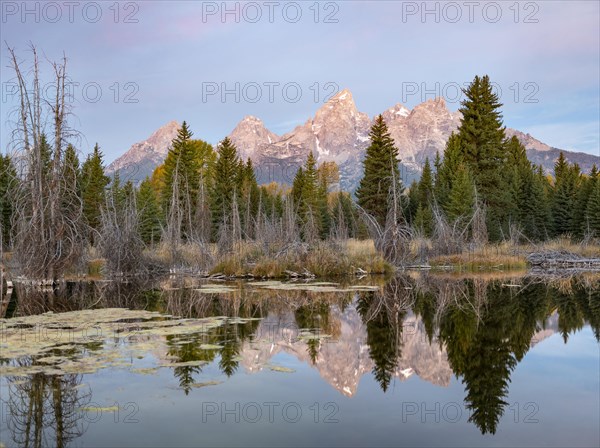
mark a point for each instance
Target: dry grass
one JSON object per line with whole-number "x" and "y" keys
{"x": 95, "y": 267}
{"x": 566, "y": 244}
{"x": 362, "y": 254}
{"x": 508, "y": 256}
{"x": 506, "y": 276}
{"x": 324, "y": 259}
{"x": 488, "y": 257}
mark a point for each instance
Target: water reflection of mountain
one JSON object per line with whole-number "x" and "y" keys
{"x": 343, "y": 360}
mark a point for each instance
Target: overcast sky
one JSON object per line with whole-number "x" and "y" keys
{"x": 138, "y": 65}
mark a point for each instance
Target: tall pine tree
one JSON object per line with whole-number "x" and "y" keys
{"x": 566, "y": 182}
{"x": 8, "y": 177}
{"x": 149, "y": 213}
{"x": 592, "y": 217}
{"x": 225, "y": 182}
{"x": 483, "y": 148}
{"x": 381, "y": 172}
{"x": 461, "y": 199}
{"x": 584, "y": 192}
{"x": 446, "y": 170}
{"x": 93, "y": 184}
{"x": 424, "y": 213}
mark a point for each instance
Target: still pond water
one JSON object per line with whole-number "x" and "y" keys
{"x": 417, "y": 360}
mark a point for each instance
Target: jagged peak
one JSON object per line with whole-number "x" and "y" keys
{"x": 398, "y": 110}
{"x": 438, "y": 101}
{"x": 170, "y": 125}
{"x": 167, "y": 129}
{"x": 342, "y": 101}
{"x": 343, "y": 95}
{"x": 251, "y": 119}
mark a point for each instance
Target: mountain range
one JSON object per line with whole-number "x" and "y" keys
{"x": 337, "y": 132}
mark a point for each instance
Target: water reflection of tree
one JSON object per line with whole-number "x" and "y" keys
{"x": 44, "y": 410}
{"x": 224, "y": 341}
{"x": 82, "y": 294}
{"x": 315, "y": 317}
{"x": 383, "y": 314}
{"x": 489, "y": 329}
{"x": 186, "y": 352}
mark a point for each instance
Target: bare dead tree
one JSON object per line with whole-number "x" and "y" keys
{"x": 236, "y": 224}
{"x": 120, "y": 240}
{"x": 290, "y": 241}
{"x": 48, "y": 223}
{"x": 396, "y": 236}
{"x": 172, "y": 230}
{"x": 230, "y": 230}
{"x": 393, "y": 239}
{"x": 339, "y": 231}
{"x": 310, "y": 228}
{"x": 44, "y": 410}
{"x": 479, "y": 233}
{"x": 448, "y": 238}
{"x": 203, "y": 214}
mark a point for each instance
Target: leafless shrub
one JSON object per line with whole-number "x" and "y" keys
{"x": 479, "y": 233}
{"x": 448, "y": 238}
{"x": 393, "y": 239}
{"x": 120, "y": 242}
{"x": 202, "y": 219}
{"x": 339, "y": 231}
{"x": 310, "y": 228}
{"x": 48, "y": 223}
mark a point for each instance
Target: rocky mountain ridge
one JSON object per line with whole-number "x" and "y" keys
{"x": 338, "y": 132}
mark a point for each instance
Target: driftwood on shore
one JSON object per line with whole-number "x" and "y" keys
{"x": 563, "y": 260}
{"x": 6, "y": 289}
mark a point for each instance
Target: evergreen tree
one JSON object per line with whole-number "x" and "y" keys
{"x": 424, "y": 213}
{"x": 446, "y": 170}
{"x": 588, "y": 183}
{"x": 344, "y": 217}
{"x": 482, "y": 143}
{"x": 536, "y": 217}
{"x": 424, "y": 220}
{"x": 438, "y": 181}
{"x": 561, "y": 167}
{"x": 381, "y": 172}
{"x": 249, "y": 196}
{"x": 323, "y": 209}
{"x": 225, "y": 181}
{"x": 45, "y": 154}
{"x": 149, "y": 213}
{"x": 297, "y": 186}
{"x": 567, "y": 178}
{"x": 426, "y": 184}
{"x": 413, "y": 201}
{"x": 182, "y": 167}
{"x": 461, "y": 200}
{"x": 93, "y": 183}
{"x": 8, "y": 176}
{"x": 307, "y": 195}
{"x": 72, "y": 170}
{"x": 520, "y": 178}
{"x": 592, "y": 217}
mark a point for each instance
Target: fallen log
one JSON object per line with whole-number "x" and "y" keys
{"x": 562, "y": 259}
